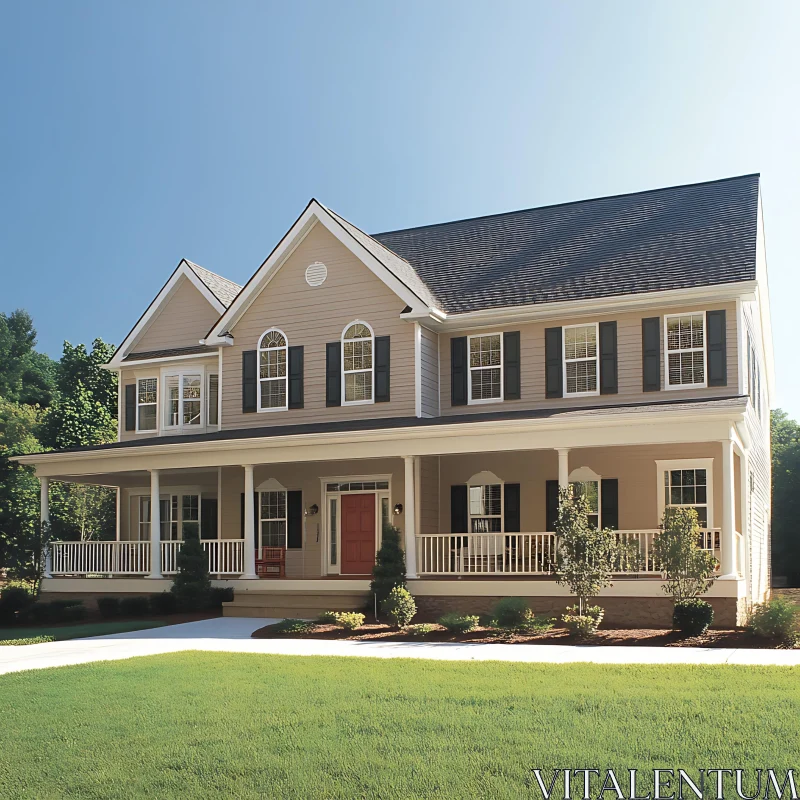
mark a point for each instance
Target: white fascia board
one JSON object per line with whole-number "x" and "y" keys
{"x": 181, "y": 272}
{"x": 763, "y": 302}
{"x": 165, "y": 361}
{"x": 315, "y": 213}
{"x": 593, "y": 307}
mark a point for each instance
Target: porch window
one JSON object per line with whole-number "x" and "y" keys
{"x": 357, "y": 364}
{"x": 144, "y": 519}
{"x": 213, "y": 399}
{"x": 685, "y": 343}
{"x": 591, "y": 491}
{"x": 146, "y": 404}
{"x": 272, "y": 518}
{"x": 687, "y": 488}
{"x": 580, "y": 359}
{"x": 485, "y": 368}
{"x": 486, "y": 509}
{"x": 190, "y": 516}
{"x": 183, "y": 400}
{"x": 273, "y": 377}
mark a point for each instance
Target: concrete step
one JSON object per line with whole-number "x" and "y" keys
{"x": 287, "y": 603}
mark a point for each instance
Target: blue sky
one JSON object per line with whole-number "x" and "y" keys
{"x": 134, "y": 134}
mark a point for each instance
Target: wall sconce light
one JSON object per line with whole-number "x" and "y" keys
{"x": 312, "y": 510}
{"x": 398, "y": 509}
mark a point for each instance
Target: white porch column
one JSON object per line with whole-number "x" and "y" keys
{"x": 410, "y": 514}
{"x": 563, "y": 468}
{"x": 155, "y": 525}
{"x": 728, "y": 538}
{"x": 44, "y": 509}
{"x": 249, "y": 526}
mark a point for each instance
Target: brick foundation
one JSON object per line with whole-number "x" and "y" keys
{"x": 621, "y": 612}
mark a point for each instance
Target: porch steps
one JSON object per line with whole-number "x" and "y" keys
{"x": 303, "y": 604}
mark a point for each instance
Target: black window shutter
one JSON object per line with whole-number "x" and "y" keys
{"x": 551, "y": 505}
{"x": 458, "y": 508}
{"x": 651, "y": 354}
{"x": 255, "y": 516}
{"x": 249, "y": 373}
{"x": 333, "y": 374}
{"x": 458, "y": 371}
{"x": 208, "y": 518}
{"x": 294, "y": 519}
{"x": 511, "y": 509}
{"x": 511, "y": 366}
{"x": 130, "y": 407}
{"x": 716, "y": 349}
{"x": 296, "y": 366}
{"x": 608, "y": 358}
{"x": 609, "y": 503}
{"x": 554, "y": 370}
{"x": 382, "y": 369}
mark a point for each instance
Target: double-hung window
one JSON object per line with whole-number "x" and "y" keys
{"x": 272, "y": 518}
{"x": 183, "y": 398}
{"x": 146, "y": 404}
{"x": 273, "y": 376}
{"x": 685, "y": 343}
{"x": 581, "y": 360}
{"x": 688, "y": 488}
{"x": 486, "y": 508}
{"x": 590, "y": 490}
{"x": 357, "y": 364}
{"x": 485, "y": 368}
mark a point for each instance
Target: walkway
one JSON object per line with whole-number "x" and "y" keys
{"x": 232, "y": 635}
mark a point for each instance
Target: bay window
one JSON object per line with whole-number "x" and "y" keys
{"x": 183, "y": 397}
{"x": 146, "y": 404}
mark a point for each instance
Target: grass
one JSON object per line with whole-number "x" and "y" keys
{"x": 62, "y": 632}
{"x": 207, "y": 725}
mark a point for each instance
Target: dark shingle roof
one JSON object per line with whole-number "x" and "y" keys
{"x": 673, "y": 238}
{"x": 196, "y": 349}
{"x": 224, "y": 290}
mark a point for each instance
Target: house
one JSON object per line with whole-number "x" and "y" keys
{"x": 446, "y": 379}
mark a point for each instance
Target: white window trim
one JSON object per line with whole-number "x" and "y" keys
{"x": 564, "y": 329}
{"x": 140, "y": 493}
{"x": 470, "y": 368}
{"x": 158, "y": 403}
{"x": 168, "y": 372}
{"x": 588, "y": 475}
{"x": 677, "y": 386}
{"x": 342, "y": 339}
{"x": 686, "y": 463}
{"x": 480, "y": 480}
{"x": 285, "y": 378}
{"x": 284, "y": 519}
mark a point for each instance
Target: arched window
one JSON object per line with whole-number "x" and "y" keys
{"x": 272, "y": 371}
{"x": 357, "y": 363}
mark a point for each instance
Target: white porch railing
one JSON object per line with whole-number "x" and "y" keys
{"x": 528, "y": 553}
{"x": 225, "y": 557}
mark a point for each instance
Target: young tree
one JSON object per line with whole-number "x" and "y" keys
{"x": 687, "y": 568}
{"x": 26, "y": 559}
{"x": 390, "y": 566}
{"x": 192, "y": 584}
{"x": 585, "y": 556}
{"x": 81, "y": 511}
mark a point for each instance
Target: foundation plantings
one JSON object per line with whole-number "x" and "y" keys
{"x": 776, "y": 619}
{"x": 400, "y": 606}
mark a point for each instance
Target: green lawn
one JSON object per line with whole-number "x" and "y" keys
{"x": 61, "y": 632}
{"x": 208, "y": 725}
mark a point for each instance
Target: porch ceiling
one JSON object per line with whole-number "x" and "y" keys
{"x": 657, "y": 423}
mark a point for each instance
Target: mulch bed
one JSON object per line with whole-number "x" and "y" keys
{"x": 651, "y": 637}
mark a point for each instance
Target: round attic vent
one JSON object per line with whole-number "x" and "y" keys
{"x": 316, "y": 274}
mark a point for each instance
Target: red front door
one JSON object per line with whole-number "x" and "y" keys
{"x": 358, "y": 533}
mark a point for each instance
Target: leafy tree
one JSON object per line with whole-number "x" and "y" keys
{"x": 27, "y": 558}
{"x": 585, "y": 556}
{"x": 81, "y": 511}
{"x": 389, "y": 571}
{"x": 77, "y": 419}
{"x": 26, "y": 376}
{"x": 785, "y": 496}
{"x": 688, "y": 569}
{"x": 78, "y": 365}
{"x": 192, "y": 584}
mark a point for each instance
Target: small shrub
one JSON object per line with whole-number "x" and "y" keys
{"x": 134, "y": 606}
{"x": 56, "y": 612}
{"x": 458, "y": 623}
{"x": 400, "y": 606}
{"x": 512, "y": 613}
{"x": 108, "y": 607}
{"x": 350, "y": 620}
{"x": 692, "y": 617}
{"x": 14, "y": 601}
{"x": 583, "y": 626}
{"x": 423, "y": 629}
{"x": 28, "y": 640}
{"x": 163, "y": 603}
{"x": 293, "y": 626}
{"x": 775, "y": 619}
{"x": 328, "y": 618}
{"x": 192, "y": 584}
{"x": 390, "y": 565}
{"x": 220, "y": 595}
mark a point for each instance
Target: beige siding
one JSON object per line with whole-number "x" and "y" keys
{"x": 182, "y": 322}
{"x": 629, "y": 366}
{"x": 429, "y": 491}
{"x": 312, "y": 317}
{"x": 429, "y": 372}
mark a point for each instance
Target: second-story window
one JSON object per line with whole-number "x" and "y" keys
{"x": 146, "y": 400}
{"x": 183, "y": 400}
{"x": 485, "y": 368}
{"x": 580, "y": 359}
{"x": 685, "y": 343}
{"x": 272, "y": 371}
{"x": 357, "y": 364}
